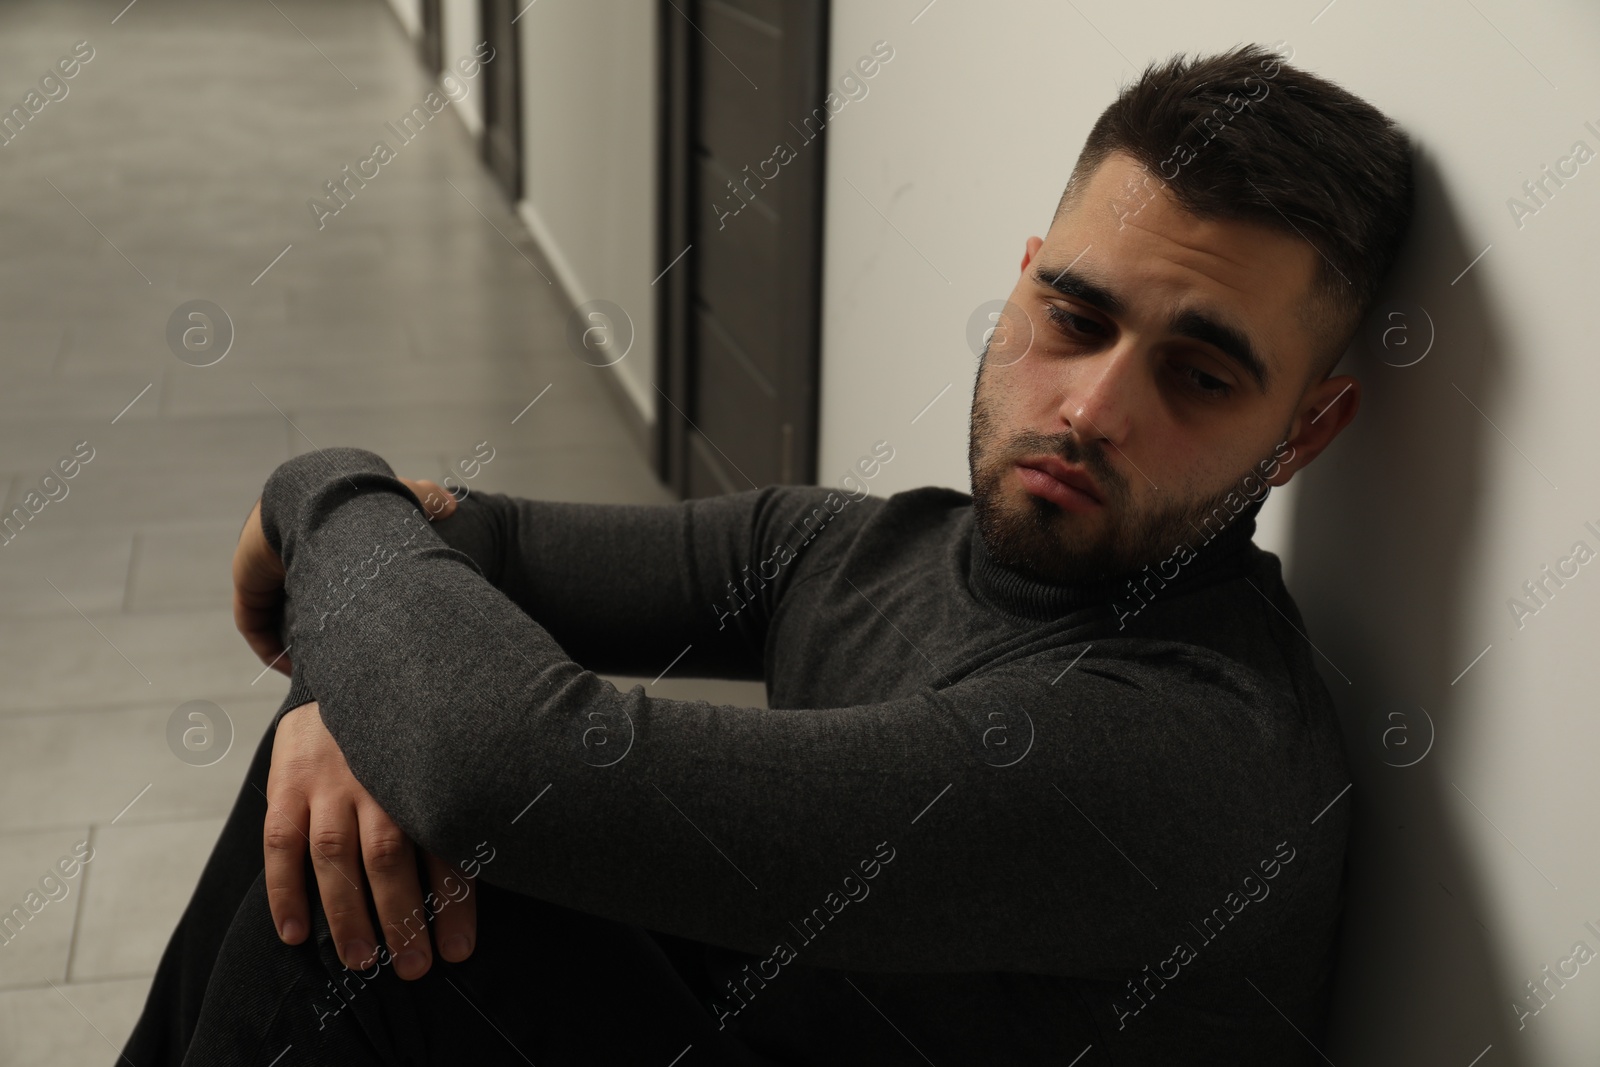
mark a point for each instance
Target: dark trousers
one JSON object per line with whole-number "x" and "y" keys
{"x": 545, "y": 985}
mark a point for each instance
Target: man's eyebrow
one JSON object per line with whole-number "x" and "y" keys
{"x": 1196, "y": 325}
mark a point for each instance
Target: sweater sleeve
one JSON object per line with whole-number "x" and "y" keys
{"x": 571, "y": 566}
{"x": 926, "y": 842}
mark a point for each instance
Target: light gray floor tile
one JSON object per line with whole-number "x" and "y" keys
{"x": 72, "y": 1025}
{"x": 138, "y": 884}
{"x": 122, "y": 659}
{"x": 197, "y": 489}
{"x": 610, "y": 473}
{"x": 39, "y": 902}
{"x": 454, "y": 425}
{"x": 66, "y": 768}
{"x": 183, "y": 565}
{"x": 36, "y": 396}
{"x": 295, "y": 389}
{"x": 713, "y": 690}
{"x": 89, "y": 569}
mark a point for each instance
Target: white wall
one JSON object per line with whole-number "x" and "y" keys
{"x": 589, "y": 94}
{"x": 1406, "y": 539}
{"x": 589, "y": 99}
{"x": 461, "y": 35}
{"x": 410, "y": 12}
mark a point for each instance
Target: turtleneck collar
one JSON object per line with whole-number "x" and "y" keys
{"x": 1020, "y": 594}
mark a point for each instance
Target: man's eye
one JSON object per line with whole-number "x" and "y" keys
{"x": 1081, "y": 328}
{"x": 1204, "y": 383}
{"x": 1066, "y": 320}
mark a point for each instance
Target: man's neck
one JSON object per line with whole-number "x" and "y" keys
{"x": 1020, "y": 593}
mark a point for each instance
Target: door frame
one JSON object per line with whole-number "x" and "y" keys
{"x": 677, "y": 218}
{"x": 505, "y": 161}
{"x": 430, "y": 38}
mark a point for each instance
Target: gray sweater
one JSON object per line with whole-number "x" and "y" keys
{"x": 985, "y": 820}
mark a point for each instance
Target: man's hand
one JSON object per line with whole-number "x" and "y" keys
{"x": 312, "y": 797}
{"x": 258, "y": 592}
{"x": 437, "y": 501}
{"x": 258, "y": 577}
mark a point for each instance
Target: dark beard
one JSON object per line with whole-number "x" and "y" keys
{"x": 1032, "y": 541}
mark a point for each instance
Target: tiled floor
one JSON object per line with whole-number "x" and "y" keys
{"x": 177, "y": 167}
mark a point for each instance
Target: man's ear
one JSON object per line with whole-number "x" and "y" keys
{"x": 1030, "y": 250}
{"x": 1326, "y": 409}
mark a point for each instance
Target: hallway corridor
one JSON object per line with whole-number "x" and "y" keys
{"x": 174, "y": 165}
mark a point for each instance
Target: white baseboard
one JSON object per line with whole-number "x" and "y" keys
{"x": 566, "y": 277}
{"x": 471, "y": 117}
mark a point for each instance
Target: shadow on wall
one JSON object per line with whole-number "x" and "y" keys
{"x": 1380, "y": 535}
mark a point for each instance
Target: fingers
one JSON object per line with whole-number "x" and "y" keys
{"x": 335, "y": 842}
{"x": 315, "y": 803}
{"x": 391, "y": 865}
{"x": 437, "y": 502}
{"x": 258, "y": 576}
{"x": 259, "y": 627}
{"x": 284, "y": 844}
{"x": 258, "y": 590}
{"x": 455, "y": 924}
{"x": 258, "y": 623}
{"x": 284, "y": 847}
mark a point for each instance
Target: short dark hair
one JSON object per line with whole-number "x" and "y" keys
{"x": 1301, "y": 155}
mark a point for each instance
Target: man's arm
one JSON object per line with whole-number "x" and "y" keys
{"x": 469, "y": 723}
{"x": 625, "y": 588}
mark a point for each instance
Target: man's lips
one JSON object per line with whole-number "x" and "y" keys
{"x": 1067, "y": 486}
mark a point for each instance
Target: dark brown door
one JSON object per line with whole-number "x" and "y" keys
{"x": 742, "y": 192}
{"x": 502, "y": 102}
{"x": 431, "y": 43}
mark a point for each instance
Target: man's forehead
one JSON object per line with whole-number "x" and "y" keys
{"x": 1126, "y": 205}
{"x": 1166, "y": 263}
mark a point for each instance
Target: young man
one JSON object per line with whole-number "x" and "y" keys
{"x": 1048, "y": 771}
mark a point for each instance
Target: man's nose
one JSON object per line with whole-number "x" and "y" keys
{"x": 1100, "y": 394}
